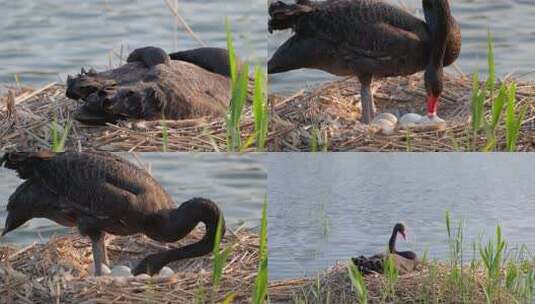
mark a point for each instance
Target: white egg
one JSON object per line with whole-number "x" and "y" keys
{"x": 435, "y": 120}
{"x": 166, "y": 272}
{"x": 410, "y": 120}
{"x": 386, "y": 116}
{"x": 384, "y": 123}
{"x": 121, "y": 271}
{"x": 143, "y": 277}
{"x": 105, "y": 269}
{"x": 121, "y": 281}
{"x": 384, "y": 126}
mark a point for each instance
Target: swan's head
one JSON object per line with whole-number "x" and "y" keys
{"x": 15, "y": 219}
{"x": 400, "y": 228}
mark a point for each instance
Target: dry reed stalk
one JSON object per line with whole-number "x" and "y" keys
{"x": 36, "y": 110}
{"x": 57, "y": 271}
{"x": 334, "y": 110}
{"x": 336, "y": 285}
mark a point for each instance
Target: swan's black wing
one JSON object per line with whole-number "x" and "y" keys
{"x": 98, "y": 184}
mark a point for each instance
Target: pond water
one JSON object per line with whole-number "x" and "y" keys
{"x": 329, "y": 207}
{"x": 510, "y": 21}
{"x": 236, "y": 182}
{"x": 43, "y": 41}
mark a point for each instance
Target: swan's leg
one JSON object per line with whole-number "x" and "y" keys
{"x": 96, "y": 245}
{"x": 366, "y": 100}
{"x": 90, "y": 227}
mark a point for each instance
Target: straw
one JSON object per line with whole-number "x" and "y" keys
{"x": 58, "y": 271}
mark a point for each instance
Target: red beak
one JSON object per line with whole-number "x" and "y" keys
{"x": 432, "y": 105}
{"x": 403, "y": 235}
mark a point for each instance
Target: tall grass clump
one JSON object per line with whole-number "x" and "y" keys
{"x": 391, "y": 275}
{"x": 261, "y": 281}
{"x": 505, "y": 100}
{"x": 220, "y": 256}
{"x": 240, "y": 88}
{"x": 492, "y": 258}
{"x": 358, "y": 283}
{"x": 239, "y": 76}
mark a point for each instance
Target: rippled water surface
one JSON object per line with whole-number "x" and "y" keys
{"x": 511, "y": 22}
{"x": 236, "y": 183}
{"x": 42, "y": 41}
{"x": 330, "y": 207}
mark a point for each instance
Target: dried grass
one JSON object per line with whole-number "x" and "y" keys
{"x": 58, "y": 272}
{"x": 334, "y": 111}
{"x": 408, "y": 289}
{"x": 27, "y": 122}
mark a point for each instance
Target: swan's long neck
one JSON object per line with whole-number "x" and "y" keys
{"x": 179, "y": 222}
{"x": 392, "y": 241}
{"x": 440, "y": 21}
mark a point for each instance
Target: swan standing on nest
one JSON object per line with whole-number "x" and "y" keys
{"x": 404, "y": 261}
{"x": 102, "y": 193}
{"x": 368, "y": 39}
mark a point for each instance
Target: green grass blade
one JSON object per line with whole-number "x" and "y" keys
{"x": 165, "y": 136}
{"x": 220, "y": 258}
{"x": 261, "y": 281}
{"x": 237, "y": 102}
{"x": 357, "y": 279}
{"x": 497, "y": 106}
{"x": 231, "y": 51}
{"x": 491, "y": 81}
{"x": 260, "y": 109}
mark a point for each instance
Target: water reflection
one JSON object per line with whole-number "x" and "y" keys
{"x": 329, "y": 207}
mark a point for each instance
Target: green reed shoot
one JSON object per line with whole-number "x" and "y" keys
{"x": 506, "y": 99}
{"x": 165, "y": 136}
{"x": 220, "y": 257}
{"x": 456, "y": 276}
{"x": 239, "y": 83}
{"x": 59, "y": 135}
{"x": 260, "y": 109}
{"x": 492, "y": 256}
{"x": 513, "y": 121}
{"x": 314, "y": 140}
{"x": 357, "y": 279}
{"x": 391, "y": 275}
{"x": 261, "y": 281}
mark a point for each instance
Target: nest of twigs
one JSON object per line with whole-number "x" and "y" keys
{"x": 58, "y": 272}
{"x": 28, "y": 116}
{"x": 417, "y": 287}
{"x": 329, "y": 116}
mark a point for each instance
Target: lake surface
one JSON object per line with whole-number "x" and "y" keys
{"x": 43, "y": 41}
{"x": 326, "y": 208}
{"x": 510, "y": 21}
{"x": 236, "y": 182}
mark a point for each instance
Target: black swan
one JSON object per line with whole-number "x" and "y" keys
{"x": 153, "y": 85}
{"x": 103, "y": 193}
{"x": 404, "y": 261}
{"x": 369, "y": 39}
